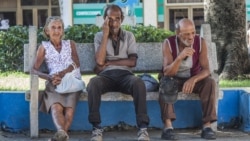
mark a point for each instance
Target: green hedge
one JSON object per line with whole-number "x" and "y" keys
{"x": 11, "y": 48}
{"x": 12, "y": 40}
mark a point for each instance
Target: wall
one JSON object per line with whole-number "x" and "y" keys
{"x": 248, "y": 10}
{"x": 14, "y": 111}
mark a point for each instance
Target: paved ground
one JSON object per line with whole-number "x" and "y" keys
{"x": 129, "y": 135}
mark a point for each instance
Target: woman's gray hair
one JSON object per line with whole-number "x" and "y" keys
{"x": 48, "y": 21}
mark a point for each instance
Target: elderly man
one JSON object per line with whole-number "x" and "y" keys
{"x": 115, "y": 56}
{"x": 185, "y": 61}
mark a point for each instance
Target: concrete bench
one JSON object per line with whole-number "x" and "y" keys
{"x": 149, "y": 61}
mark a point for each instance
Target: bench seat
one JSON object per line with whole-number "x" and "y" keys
{"x": 117, "y": 96}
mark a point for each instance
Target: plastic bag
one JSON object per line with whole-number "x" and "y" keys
{"x": 70, "y": 84}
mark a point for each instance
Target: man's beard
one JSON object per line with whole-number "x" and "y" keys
{"x": 114, "y": 31}
{"x": 185, "y": 42}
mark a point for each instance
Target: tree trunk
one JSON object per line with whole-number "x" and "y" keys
{"x": 227, "y": 19}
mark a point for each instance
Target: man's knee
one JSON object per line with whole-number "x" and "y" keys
{"x": 208, "y": 91}
{"x": 210, "y": 81}
{"x": 94, "y": 83}
{"x": 138, "y": 82}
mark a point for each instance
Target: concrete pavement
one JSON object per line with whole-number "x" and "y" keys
{"x": 129, "y": 135}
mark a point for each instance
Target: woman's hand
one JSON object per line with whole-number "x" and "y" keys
{"x": 56, "y": 79}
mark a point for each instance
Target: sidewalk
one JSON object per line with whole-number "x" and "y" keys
{"x": 130, "y": 135}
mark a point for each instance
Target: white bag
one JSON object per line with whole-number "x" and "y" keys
{"x": 70, "y": 83}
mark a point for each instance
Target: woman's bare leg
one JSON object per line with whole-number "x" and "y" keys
{"x": 58, "y": 116}
{"x": 69, "y": 114}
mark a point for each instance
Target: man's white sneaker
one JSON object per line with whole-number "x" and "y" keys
{"x": 143, "y": 135}
{"x": 96, "y": 135}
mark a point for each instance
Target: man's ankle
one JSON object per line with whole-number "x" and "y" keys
{"x": 96, "y": 126}
{"x": 206, "y": 125}
{"x": 143, "y": 125}
{"x": 168, "y": 123}
{"x": 166, "y": 128}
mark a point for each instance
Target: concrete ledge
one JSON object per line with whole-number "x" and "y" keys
{"x": 117, "y": 96}
{"x": 115, "y": 112}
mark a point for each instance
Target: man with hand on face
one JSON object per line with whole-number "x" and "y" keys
{"x": 115, "y": 56}
{"x": 185, "y": 61}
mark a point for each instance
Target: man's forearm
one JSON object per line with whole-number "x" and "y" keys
{"x": 101, "y": 52}
{"x": 200, "y": 76}
{"x": 123, "y": 62}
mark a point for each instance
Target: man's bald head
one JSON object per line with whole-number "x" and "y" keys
{"x": 184, "y": 23}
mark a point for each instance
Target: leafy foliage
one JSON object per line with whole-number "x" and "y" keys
{"x": 82, "y": 33}
{"x": 86, "y": 33}
{"x": 148, "y": 33}
{"x": 13, "y": 40}
{"x": 40, "y": 36}
{"x": 11, "y": 48}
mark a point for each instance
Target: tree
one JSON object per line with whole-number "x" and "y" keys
{"x": 227, "y": 19}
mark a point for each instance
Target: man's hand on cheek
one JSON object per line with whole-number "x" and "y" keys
{"x": 105, "y": 26}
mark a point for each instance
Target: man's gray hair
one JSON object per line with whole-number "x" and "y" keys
{"x": 178, "y": 24}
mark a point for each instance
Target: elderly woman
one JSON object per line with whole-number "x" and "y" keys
{"x": 61, "y": 58}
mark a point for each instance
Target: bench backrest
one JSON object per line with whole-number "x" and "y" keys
{"x": 149, "y": 60}
{"x": 149, "y": 55}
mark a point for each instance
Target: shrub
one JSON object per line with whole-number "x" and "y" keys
{"x": 86, "y": 33}
{"x": 11, "y": 48}
{"x": 148, "y": 33}
{"x": 82, "y": 33}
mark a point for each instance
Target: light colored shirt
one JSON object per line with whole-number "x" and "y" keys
{"x": 127, "y": 47}
{"x": 190, "y": 66}
{"x": 58, "y": 61}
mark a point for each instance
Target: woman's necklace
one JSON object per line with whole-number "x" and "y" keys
{"x": 58, "y": 47}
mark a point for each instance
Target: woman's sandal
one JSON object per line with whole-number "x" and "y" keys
{"x": 60, "y": 135}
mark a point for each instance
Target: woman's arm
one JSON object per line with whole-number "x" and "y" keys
{"x": 38, "y": 62}
{"x": 75, "y": 59}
